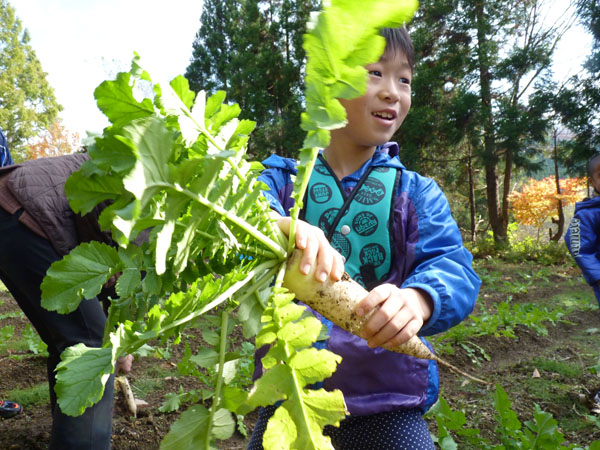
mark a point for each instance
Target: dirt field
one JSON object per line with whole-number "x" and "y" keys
{"x": 571, "y": 342}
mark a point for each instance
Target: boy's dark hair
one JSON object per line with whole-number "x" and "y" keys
{"x": 397, "y": 41}
{"x": 592, "y": 163}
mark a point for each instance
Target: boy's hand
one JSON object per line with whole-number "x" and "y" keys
{"x": 400, "y": 315}
{"x": 312, "y": 240}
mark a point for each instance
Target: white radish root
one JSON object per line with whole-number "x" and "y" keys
{"x": 123, "y": 385}
{"x": 337, "y": 301}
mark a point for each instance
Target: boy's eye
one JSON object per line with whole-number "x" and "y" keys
{"x": 405, "y": 80}
{"x": 376, "y": 73}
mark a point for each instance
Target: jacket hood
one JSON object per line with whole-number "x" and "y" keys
{"x": 593, "y": 202}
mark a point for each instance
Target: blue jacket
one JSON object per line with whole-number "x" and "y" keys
{"x": 583, "y": 240}
{"x": 5, "y": 158}
{"x": 428, "y": 254}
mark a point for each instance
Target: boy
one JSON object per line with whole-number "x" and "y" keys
{"x": 397, "y": 237}
{"x": 582, "y": 237}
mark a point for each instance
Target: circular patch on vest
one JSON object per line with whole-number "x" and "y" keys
{"x": 372, "y": 254}
{"x": 320, "y": 193}
{"x": 341, "y": 244}
{"x": 326, "y": 219}
{"x": 359, "y": 279}
{"x": 365, "y": 223}
{"x": 381, "y": 169}
{"x": 322, "y": 169}
{"x": 372, "y": 191}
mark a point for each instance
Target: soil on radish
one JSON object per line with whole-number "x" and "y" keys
{"x": 510, "y": 365}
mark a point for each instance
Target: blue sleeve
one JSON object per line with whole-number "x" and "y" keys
{"x": 582, "y": 241}
{"x": 443, "y": 266}
{"x": 278, "y": 180}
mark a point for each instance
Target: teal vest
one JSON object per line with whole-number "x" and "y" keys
{"x": 357, "y": 225}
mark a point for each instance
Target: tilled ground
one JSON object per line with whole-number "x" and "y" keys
{"x": 512, "y": 365}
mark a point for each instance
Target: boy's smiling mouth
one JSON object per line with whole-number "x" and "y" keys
{"x": 386, "y": 115}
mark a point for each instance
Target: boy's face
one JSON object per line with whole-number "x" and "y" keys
{"x": 595, "y": 175}
{"x": 375, "y": 117}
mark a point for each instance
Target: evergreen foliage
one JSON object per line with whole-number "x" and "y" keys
{"x": 479, "y": 66}
{"x": 577, "y": 105}
{"x": 253, "y": 50}
{"x": 27, "y": 101}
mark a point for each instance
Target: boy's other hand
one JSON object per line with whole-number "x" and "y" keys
{"x": 311, "y": 239}
{"x": 400, "y": 314}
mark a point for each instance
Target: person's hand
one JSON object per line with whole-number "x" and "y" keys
{"x": 124, "y": 364}
{"x": 316, "y": 247}
{"x": 112, "y": 280}
{"x": 400, "y": 314}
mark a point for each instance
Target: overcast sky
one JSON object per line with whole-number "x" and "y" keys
{"x": 80, "y": 43}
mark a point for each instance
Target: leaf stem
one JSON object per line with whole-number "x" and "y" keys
{"x": 217, "y": 394}
{"x": 224, "y": 296}
{"x": 300, "y": 186}
{"x": 279, "y": 252}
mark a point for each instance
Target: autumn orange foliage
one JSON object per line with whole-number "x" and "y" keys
{"x": 57, "y": 140}
{"x": 538, "y": 199}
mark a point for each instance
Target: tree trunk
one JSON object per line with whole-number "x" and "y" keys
{"x": 489, "y": 145}
{"x": 471, "y": 195}
{"x": 508, "y": 166}
{"x": 560, "y": 222}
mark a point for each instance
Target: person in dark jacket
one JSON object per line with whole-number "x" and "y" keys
{"x": 7, "y": 408}
{"x": 37, "y": 227}
{"x": 5, "y": 157}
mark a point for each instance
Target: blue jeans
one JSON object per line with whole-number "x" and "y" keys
{"x": 24, "y": 259}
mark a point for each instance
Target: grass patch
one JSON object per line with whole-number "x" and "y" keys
{"x": 143, "y": 386}
{"x": 575, "y": 299}
{"x": 565, "y": 369}
{"x": 160, "y": 372}
{"x": 36, "y": 395}
{"x": 2, "y": 287}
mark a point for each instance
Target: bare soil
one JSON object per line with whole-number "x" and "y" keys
{"x": 512, "y": 363}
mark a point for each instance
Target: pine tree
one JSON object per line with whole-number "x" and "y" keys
{"x": 27, "y": 101}
{"x": 252, "y": 49}
{"x": 480, "y": 59}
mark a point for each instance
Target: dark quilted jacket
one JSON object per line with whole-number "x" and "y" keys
{"x": 39, "y": 186}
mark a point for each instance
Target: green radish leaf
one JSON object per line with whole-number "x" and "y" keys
{"x": 190, "y": 431}
{"x": 318, "y": 407}
{"x": 172, "y": 403}
{"x": 80, "y": 377}
{"x": 80, "y": 274}
{"x": 86, "y": 192}
{"x": 544, "y": 428}
{"x": 151, "y": 143}
{"x": 507, "y": 418}
{"x": 115, "y": 99}
{"x": 206, "y": 357}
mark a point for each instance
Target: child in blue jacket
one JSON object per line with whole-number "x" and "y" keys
{"x": 583, "y": 235}
{"x": 5, "y": 158}
{"x": 395, "y": 233}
